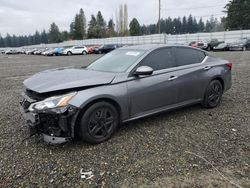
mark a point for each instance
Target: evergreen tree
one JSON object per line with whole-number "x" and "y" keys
{"x": 208, "y": 27}
{"x": 111, "y": 28}
{"x": 65, "y": 36}
{"x": 44, "y": 38}
{"x": 201, "y": 25}
{"x": 92, "y": 27}
{"x": 134, "y": 27}
{"x": 2, "y": 42}
{"x": 100, "y": 25}
{"x": 8, "y": 40}
{"x": 83, "y": 23}
{"x": 78, "y": 28}
{"x": 72, "y": 30}
{"x": 184, "y": 25}
{"x": 190, "y": 24}
{"x": 238, "y": 14}
{"x": 37, "y": 37}
{"x": 54, "y": 34}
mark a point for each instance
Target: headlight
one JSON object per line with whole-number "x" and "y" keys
{"x": 56, "y": 102}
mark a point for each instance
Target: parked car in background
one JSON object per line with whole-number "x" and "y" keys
{"x": 202, "y": 45}
{"x": 2, "y": 51}
{"x": 11, "y": 52}
{"x": 213, "y": 43}
{"x": 58, "y": 51}
{"x": 91, "y": 49}
{"x": 48, "y": 52}
{"x": 221, "y": 47}
{"x": 123, "y": 85}
{"x": 242, "y": 44}
{"x": 105, "y": 48}
{"x": 30, "y": 51}
{"x": 76, "y": 50}
{"x": 38, "y": 52}
{"x": 193, "y": 44}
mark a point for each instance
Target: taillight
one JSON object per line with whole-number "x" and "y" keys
{"x": 229, "y": 65}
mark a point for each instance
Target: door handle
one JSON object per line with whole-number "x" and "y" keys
{"x": 207, "y": 68}
{"x": 172, "y": 78}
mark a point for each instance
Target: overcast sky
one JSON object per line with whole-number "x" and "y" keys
{"x": 26, "y": 16}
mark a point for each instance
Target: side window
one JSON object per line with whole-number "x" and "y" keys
{"x": 160, "y": 59}
{"x": 201, "y": 55}
{"x": 188, "y": 56}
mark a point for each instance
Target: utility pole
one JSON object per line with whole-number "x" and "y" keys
{"x": 159, "y": 20}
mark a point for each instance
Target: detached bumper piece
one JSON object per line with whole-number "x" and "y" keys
{"x": 55, "y": 140}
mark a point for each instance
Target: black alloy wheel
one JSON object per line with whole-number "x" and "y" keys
{"x": 99, "y": 122}
{"x": 213, "y": 94}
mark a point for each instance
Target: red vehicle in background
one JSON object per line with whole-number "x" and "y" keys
{"x": 193, "y": 44}
{"x": 91, "y": 49}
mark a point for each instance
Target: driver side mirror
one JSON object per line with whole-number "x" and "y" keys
{"x": 144, "y": 71}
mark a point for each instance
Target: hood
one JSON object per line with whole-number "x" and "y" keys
{"x": 67, "y": 78}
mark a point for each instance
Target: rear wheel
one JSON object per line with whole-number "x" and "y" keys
{"x": 99, "y": 122}
{"x": 244, "y": 48}
{"x": 84, "y": 53}
{"x": 213, "y": 94}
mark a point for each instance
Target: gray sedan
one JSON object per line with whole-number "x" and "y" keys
{"x": 126, "y": 84}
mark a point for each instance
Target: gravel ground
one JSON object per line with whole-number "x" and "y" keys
{"x": 191, "y": 147}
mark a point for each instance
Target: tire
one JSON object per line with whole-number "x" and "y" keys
{"x": 98, "y": 123}
{"x": 99, "y": 52}
{"x": 213, "y": 94}
{"x": 209, "y": 48}
{"x": 244, "y": 49}
{"x": 69, "y": 53}
{"x": 84, "y": 53}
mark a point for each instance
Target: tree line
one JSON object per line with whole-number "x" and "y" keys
{"x": 97, "y": 27}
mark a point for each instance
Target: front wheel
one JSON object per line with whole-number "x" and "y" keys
{"x": 213, "y": 94}
{"x": 69, "y": 53}
{"x": 244, "y": 49}
{"x": 99, "y": 122}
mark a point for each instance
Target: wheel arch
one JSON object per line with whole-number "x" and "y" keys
{"x": 90, "y": 103}
{"x": 220, "y": 79}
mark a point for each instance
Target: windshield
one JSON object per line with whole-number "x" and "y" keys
{"x": 116, "y": 61}
{"x": 222, "y": 45}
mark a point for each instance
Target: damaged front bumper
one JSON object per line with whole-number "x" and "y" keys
{"x": 56, "y": 128}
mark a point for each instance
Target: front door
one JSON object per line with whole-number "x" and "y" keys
{"x": 157, "y": 91}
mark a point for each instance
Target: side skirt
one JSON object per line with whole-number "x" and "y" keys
{"x": 164, "y": 109}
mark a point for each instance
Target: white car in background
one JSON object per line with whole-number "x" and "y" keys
{"x": 76, "y": 50}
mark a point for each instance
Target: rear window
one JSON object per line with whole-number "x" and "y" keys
{"x": 188, "y": 56}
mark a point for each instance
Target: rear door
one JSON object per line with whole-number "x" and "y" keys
{"x": 191, "y": 73}
{"x": 78, "y": 50}
{"x": 159, "y": 90}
